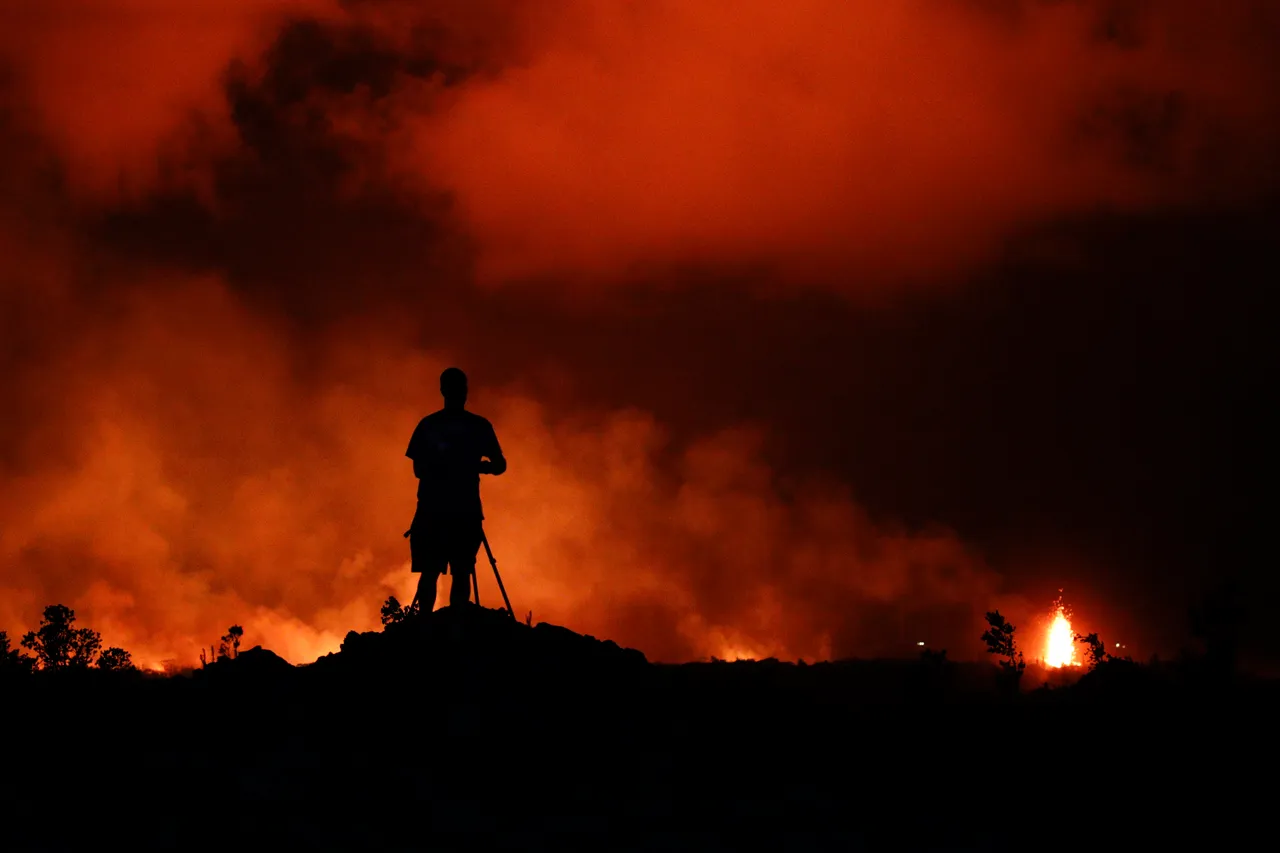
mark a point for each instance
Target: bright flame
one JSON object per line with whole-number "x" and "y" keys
{"x": 1060, "y": 644}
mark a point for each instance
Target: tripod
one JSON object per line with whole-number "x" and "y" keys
{"x": 475, "y": 579}
{"x": 475, "y": 583}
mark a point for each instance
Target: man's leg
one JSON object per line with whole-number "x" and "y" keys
{"x": 462, "y": 562}
{"x": 460, "y": 591}
{"x": 427, "y": 586}
{"x": 428, "y": 557}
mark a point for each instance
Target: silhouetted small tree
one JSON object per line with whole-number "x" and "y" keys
{"x": 394, "y": 614}
{"x": 230, "y": 646}
{"x": 115, "y": 660}
{"x": 58, "y": 644}
{"x": 12, "y": 660}
{"x": 391, "y": 612}
{"x": 1000, "y": 641}
{"x": 1096, "y": 650}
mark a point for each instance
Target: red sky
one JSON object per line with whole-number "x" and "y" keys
{"x": 740, "y": 285}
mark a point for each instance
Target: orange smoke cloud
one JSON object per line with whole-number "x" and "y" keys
{"x": 866, "y": 138}
{"x": 180, "y": 462}
{"x": 600, "y": 141}
{"x": 129, "y": 92}
{"x": 190, "y": 470}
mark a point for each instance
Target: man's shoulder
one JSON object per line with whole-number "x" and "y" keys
{"x": 478, "y": 425}
{"x": 431, "y": 423}
{"x": 465, "y": 417}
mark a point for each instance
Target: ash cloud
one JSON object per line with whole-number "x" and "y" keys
{"x": 203, "y": 480}
{"x": 840, "y": 144}
{"x": 129, "y": 92}
{"x": 227, "y": 290}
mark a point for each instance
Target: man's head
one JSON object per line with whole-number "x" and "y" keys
{"x": 453, "y": 387}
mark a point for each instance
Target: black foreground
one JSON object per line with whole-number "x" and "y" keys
{"x": 468, "y": 729}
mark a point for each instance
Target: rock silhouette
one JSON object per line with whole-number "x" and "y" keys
{"x": 257, "y": 665}
{"x": 482, "y": 640}
{"x": 467, "y": 721}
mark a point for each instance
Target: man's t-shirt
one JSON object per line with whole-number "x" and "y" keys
{"x": 447, "y": 447}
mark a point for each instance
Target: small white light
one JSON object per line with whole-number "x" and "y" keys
{"x": 1117, "y": 645}
{"x": 921, "y": 643}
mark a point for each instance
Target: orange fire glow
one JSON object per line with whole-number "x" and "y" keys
{"x": 1059, "y": 642}
{"x": 177, "y": 455}
{"x": 732, "y": 653}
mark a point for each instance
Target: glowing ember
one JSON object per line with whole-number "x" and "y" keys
{"x": 1060, "y": 643}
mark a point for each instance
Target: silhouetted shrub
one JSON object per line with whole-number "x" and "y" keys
{"x": 116, "y": 660}
{"x": 1000, "y": 641}
{"x": 394, "y": 614}
{"x": 12, "y": 660}
{"x": 230, "y": 646}
{"x": 58, "y": 644}
{"x": 391, "y": 612}
{"x": 1096, "y": 650}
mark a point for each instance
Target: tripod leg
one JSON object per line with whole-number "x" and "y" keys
{"x": 494, "y": 562}
{"x": 475, "y": 587}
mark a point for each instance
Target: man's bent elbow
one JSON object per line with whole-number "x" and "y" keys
{"x": 498, "y": 465}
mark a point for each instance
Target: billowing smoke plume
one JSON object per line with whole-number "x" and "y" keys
{"x": 195, "y": 471}
{"x": 845, "y": 142}
{"x": 201, "y": 428}
{"x": 129, "y": 92}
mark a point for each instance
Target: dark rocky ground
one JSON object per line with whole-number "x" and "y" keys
{"x": 469, "y": 729}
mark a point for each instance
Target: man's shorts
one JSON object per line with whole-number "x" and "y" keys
{"x": 437, "y": 544}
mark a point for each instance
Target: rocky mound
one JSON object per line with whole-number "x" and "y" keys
{"x": 255, "y": 666}
{"x": 470, "y": 642}
{"x": 476, "y": 639}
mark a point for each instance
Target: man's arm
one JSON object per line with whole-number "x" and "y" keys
{"x": 497, "y": 463}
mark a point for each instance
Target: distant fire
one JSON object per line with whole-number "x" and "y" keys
{"x": 738, "y": 652}
{"x": 1060, "y": 641}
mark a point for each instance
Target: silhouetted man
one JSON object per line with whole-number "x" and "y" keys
{"x": 450, "y": 449}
